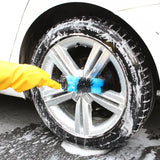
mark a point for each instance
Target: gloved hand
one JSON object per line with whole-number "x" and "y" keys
{"x": 22, "y": 77}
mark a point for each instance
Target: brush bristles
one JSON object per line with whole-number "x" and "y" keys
{"x": 82, "y": 85}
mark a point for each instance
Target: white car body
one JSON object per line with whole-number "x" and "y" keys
{"x": 17, "y": 16}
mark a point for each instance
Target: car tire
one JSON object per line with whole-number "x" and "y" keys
{"x": 131, "y": 92}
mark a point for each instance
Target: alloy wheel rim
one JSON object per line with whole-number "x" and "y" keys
{"x": 74, "y": 111}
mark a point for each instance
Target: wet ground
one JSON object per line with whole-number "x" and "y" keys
{"x": 24, "y": 137}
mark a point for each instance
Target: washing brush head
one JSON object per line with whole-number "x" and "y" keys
{"x": 82, "y": 84}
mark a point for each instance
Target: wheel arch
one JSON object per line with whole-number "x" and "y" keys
{"x": 67, "y": 11}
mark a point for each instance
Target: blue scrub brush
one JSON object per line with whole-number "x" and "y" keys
{"x": 82, "y": 84}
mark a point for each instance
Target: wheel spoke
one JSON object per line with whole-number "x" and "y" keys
{"x": 114, "y": 97}
{"x": 113, "y": 107}
{"x": 93, "y": 56}
{"x": 99, "y": 65}
{"x": 83, "y": 117}
{"x": 78, "y": 116}
{"x": 58, "y": 99}
{"x": 63, "y": 60}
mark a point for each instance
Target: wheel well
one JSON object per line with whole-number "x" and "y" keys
{"x": 67, "y": 11}
{"x": 52, "y": 17}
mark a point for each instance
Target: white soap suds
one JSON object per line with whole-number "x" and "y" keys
{"x": 75, "y": 149}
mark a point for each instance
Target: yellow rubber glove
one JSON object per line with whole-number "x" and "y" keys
{"x": 22, "y": 77}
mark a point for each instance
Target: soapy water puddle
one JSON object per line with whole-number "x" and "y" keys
{"x": 36, "y": 142}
